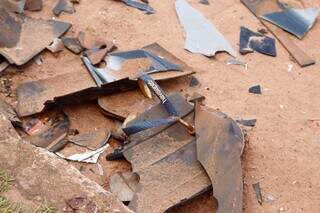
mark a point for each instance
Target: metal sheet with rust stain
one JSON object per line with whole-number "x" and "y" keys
{"x": 165, "y": 160}
{"x": 219, "y": 148}
{"x": 78, "y": 86}
{"x": 22, "y": 37}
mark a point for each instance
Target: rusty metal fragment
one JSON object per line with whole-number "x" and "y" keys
{"x": 124, "y": 185}
{"x": 13, "y": 5}
{"x": 72, "y": 44}
{"x": 33, "y": 5}
{"x": 22, "y": 37}
{"x": 63, "y": 6}
{"x": 48, "y": 130}
{"x": 219, "y": 149}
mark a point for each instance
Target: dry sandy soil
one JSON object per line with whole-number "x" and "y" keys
{"x": 283, "y": 149}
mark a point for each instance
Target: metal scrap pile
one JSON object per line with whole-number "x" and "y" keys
{"x": 178, "y": 147}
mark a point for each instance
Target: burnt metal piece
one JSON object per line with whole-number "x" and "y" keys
{"x": 63, "y": 6}
{"x": 252, "y": 41}
{"x": 201, "y": 35}
{"x": 250, "y": 123}
{"x": 141, "y": 6}
{"x": 255, "y": 90}
{"x": 169, "y": 171}
{"x": 33, "y": 5}
{"x": 17, "y": 36}
{"x": 13, "y": 5}
{"x": 72, "y": 44}
{"x": 49, "y": 130}
{"x": 123, "y": 185}
{"x": 219, "y": 148}
{"x": 295, "y": 21}
{"x": 257, "y": 190}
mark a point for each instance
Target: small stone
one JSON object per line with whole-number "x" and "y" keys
{"x": 269, "y": 199}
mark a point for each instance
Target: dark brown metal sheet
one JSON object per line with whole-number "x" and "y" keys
{"x": 33, "y": 5}
{"x": 22, "y": 37}
{"x": 219, "y": 148}
{"x": 166, "y": 162}
{"x": 78, "y": 86}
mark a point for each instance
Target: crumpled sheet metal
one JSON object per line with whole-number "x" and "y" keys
{"x": 168, "y": 168}
{"x": 251, "y": 41}
{"x": 296, "y": 21}
{"x": 78, "y": 86}
{"x": 219, "y": 148}
{"x": 22, "y": 37}
{"x": 13, "y": 5}
{"x": 201, "y": 35}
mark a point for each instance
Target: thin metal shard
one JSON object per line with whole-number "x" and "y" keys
{"x": 296, "y": 21}
{"x": 33, "y": 5}
{"x": 123, "y": 185}
{"x": 201, "y": 35}
{"x": 141, "y": 6}
{"x": 219, "y": 149}
{"x": 206, "y": 2}
{"x": 63, "y": 6}
{"x": 251, "y": 41}
{"x": 234, "y": 61}
{"x": 13, "y": 5}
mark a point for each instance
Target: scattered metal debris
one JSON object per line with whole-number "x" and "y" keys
{"x": 257, "y": 190}
{"x": 141, "y": 6}
{"x": 250, "y": 123}
{"x": 255, "y": 89}
{"x": 201, "y": 35}
{"x": 234, "y": 61}
{"x": 13, "y": 5}
{"x": 91, "y": 140}
{"x": 252, "y": 41}
{"x": 194, "y": 82}
{"x": 72, "y": 44}
{"x": 56, "y": 46}
{"x": 97, "y": 54}
{"x": 260, "y": 7}
{"x": 17, "y": 33}
{"x": 63, "y": 6}
{"x": 33, "y": 5}
{"x": 81, "y": 204}
{"x": 220, "y": 145}
{"x": 206, "y": 2}
{"x": 124, "y": 185}
{"x": 296, "y": 21}
{"x": 48, "y": 130}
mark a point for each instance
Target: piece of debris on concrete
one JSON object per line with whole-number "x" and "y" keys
{"x": 206, "y": 2}
{"x": 258, "y": 8}
{"x": 194, "y": 82}
{"x": 56, "y": 46}
{"x": 33, "y": 5}
{"x": 72, "y": 44}
{"x": 201, "y": 35}
{"x": 255, "y": 90}
{"x": 139, "y": 5}
{"x": 81, "y": 204}
{"x": 169, "y": 168}
{"x": 220, "y": 144}
{"x": 234, "y": 61}
{"x": 250, "y": 122}
{"x": 86, "y": 157}
{"x": 13, "y": 5}
{"x": 49, "y": 130}
{"x": 251, "y": 41}
{"x": 91, "y": 140}
{"x": 257, "y": 190}
{"x": 124, "y": 185}
{"x": 63, "y": 6}
{"x": 296, "y": 21}
{"x": 17, "y": 33}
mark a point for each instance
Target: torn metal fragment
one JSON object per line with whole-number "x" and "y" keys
{"x": 255, "y": 90}
{"x": 141, "y": 6}
{"x": 56, "y": 46}
{"x": 91, "y": 140}
{"x": 201, "y": 35}
{"x": 48, "y": 130}
{"x": 169, "y": 171}
{"x": 252, "y": 41}
{"x": 82, "y": 204}
{"x": 17, "y": 36}
{"x": 234, "y": 61}
{"x": 33, "y": 5}
{"x": 251, "y": 122}
{"x": 219, "y": 149}
{"x": 63, "y": 6}
{"x": 13, "y": 5}
{"x": 72, "y": 44}
{"x": 124, "y": 185}
{"x": 295, "y": 21}
{"x": 97, "y": 54}
{"x": 257, "y": 190}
